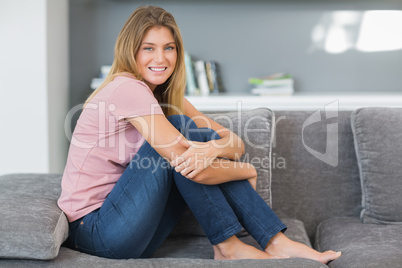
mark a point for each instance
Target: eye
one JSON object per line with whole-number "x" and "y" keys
{"x": 170, "y": 48}
{"x": 147, "y": 48}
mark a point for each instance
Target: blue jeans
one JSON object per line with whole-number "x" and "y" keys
{"x": 150, "y": 196}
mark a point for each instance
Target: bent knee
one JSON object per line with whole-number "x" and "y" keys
{"x": 181, "y": 121}
{"x": 178, "y": 117}
{"x": 190, "y": 130}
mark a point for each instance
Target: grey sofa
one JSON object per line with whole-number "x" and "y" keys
{"x": 334, "y": 178}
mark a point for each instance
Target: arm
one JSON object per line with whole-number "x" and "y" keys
{"x": 223, "y": 170}
{"x": 229, "y": 146}
{"x": 200, "y": 155}
{"x": 162, "y": 136}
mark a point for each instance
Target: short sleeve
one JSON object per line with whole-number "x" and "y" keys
{"x": 133, "y": 99}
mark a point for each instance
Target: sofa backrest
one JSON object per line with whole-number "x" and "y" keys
{"x": 303, "y": 185}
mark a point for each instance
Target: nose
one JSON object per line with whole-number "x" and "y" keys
{"x": 159, "y": 56}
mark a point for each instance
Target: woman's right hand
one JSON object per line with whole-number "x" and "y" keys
{"x": 197, "y": 157}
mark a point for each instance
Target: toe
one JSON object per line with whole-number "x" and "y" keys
{"x": 329, "y": 255}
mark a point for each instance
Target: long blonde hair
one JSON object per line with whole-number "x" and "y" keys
{"x": 170, "y": 94}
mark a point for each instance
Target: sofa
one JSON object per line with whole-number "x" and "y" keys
{"x": 334, "y": 178}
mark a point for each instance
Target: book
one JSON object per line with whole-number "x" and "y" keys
{"x": 275, "y": 84}
{"x": 191, "y": 86}
{"x": 214, "y": 78}
{"x": 202, "y": 79}
{"x": 273, "y": 91}
{"x": 277, "y": 79}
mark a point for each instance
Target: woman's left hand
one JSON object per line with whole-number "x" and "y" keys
{"x": 197, "y": 157}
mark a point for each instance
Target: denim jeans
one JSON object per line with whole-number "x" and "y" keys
{"x": 150, "y": 196}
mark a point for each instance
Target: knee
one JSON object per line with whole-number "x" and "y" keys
{"x": 181, "y": 121}
{"x": 190, "y": 130}
{"x": 209, "y": 134}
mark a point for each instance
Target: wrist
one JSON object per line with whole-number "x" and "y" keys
{"x": 217, "y": 151}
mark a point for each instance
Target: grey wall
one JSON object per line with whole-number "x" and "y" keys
{"x": 247, "y": 38}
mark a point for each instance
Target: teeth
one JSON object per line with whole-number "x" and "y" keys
{"x": 157, "y": 69}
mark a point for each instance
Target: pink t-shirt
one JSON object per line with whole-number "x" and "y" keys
{"x": 103, "y": 144}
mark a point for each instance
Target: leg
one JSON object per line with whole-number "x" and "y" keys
{"x": 252, "y": 211}
{"x": 206, "y": 201}
{"x": 210, "y": 206}
{"x": 173, "y": 210}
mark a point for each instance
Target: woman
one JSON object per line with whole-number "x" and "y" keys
{"x": 123, "y": 195}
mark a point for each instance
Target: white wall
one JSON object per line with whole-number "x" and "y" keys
{"x": 57, "y": 79}
{"x": 29, "y": 75}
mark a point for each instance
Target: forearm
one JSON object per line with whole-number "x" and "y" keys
{"x": 230, "y": 146}
{"x": 223, "y": 170}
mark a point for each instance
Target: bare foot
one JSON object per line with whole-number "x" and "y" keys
{"x": 280, "y": 245}
{"x": 234, "y": 249}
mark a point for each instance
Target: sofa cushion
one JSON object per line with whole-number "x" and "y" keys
{"x": 255, "y": 128}
{"x": 378, "y": 142}
{"x": 200, "y": 247}
{"x": 72, "y": 258}
{"x": 362, "y": 245}
{"x": 303, "y": 186}
{"x": 31, "y": 224}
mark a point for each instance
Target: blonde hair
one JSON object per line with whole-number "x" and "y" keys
{"x": 170, "y": 94}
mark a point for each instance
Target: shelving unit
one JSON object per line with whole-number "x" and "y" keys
{"x": 307, "y": 102}
{"x": 248, "y": 39}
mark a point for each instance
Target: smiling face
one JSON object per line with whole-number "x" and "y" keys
{"x": 156, "y": 58}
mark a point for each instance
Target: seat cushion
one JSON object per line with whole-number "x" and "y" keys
{"x": 255, "y": 128}
{"x": 31, "y": 224}
{"x": 200, "y": 248}
{"x": 177, "y": 252}
{"x": 362, "y": 245}
{"x": 72, "y": 258}
{"x": 378, "y": 142}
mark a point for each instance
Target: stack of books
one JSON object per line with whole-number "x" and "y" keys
{"x": 203, "y": 77}
{"x": 275, "y": 84}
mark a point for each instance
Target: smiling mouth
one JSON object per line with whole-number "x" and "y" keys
{"x": 155, "y": 69}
